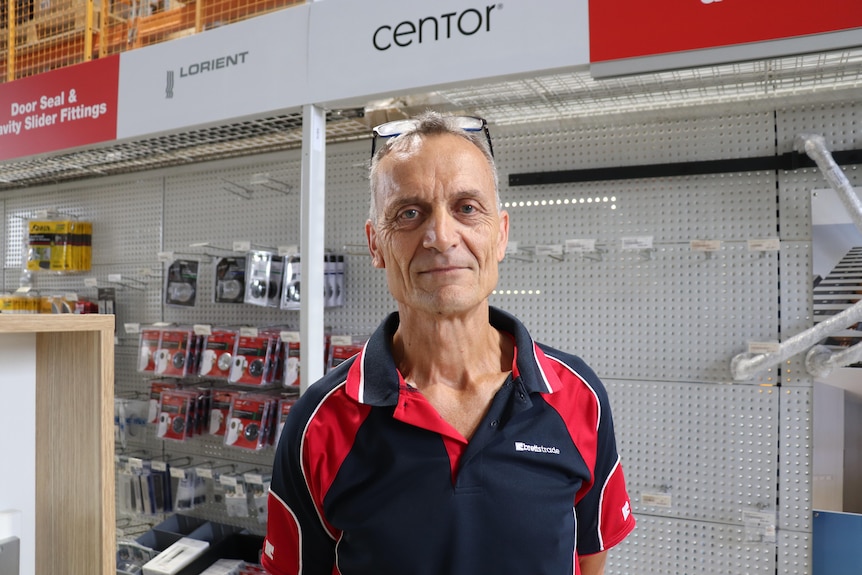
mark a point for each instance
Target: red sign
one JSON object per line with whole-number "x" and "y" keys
{"x": 64, "y": 108}
{"x": 633, "y": 28}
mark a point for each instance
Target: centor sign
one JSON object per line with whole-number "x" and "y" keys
{"x": 432, "y": 28}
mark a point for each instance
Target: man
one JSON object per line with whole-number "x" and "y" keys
{"x": 453, "y": 444}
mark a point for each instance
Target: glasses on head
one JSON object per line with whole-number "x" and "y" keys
{"x": 397, "y": 127}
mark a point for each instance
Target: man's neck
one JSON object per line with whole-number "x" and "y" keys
{"x": 458, "y": 351}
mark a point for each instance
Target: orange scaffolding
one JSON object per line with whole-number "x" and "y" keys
{"x": 42, "y": 35}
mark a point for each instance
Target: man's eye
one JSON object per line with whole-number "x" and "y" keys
{"x": 409, "y": 214}
{"x": 468, "y": 209}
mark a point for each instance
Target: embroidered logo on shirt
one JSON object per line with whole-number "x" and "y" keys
{"x": 626, "y": 511}
{"x": 521, "y": 446}
{"x": 269, "y": 549}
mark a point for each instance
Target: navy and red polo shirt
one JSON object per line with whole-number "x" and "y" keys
{"x": 369, "y": 479}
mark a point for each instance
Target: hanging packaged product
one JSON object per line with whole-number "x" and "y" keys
{"x": 58, "y": 245}
{"x": 229, "y": 280}
{"x": 252, "y": 360}
{"x": 263, "y": 278}
{"x": 343, "y": 347}
{"x": 248, "y": 421}
{"x": 156, "y": 389}
{"x": 333, "y": 281}
{"x": 174, "y": 355}
{"x": 216, "y": 355}
{"x": 220, "y": 410}
{"x": 290, "y": 344}
{"x": 333, "y": 287}
{"x": 291, "y": 293}
{"x": 176, "y": 414}
{"x": 147, "y": 348}
{"x": 181, "y": 283}
{"x": 284, "y": 406}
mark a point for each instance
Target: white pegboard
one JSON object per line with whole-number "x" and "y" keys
{"x": 660, "y": 327}
{"x": 634, "y": 141}
{"x": 664, "y": 546}
{"x": 840, "y": 123}
{"x": 698, "y": 452}
{"x": 795, "y": 198}
{"x": 347, "y": 201}
{"x": 794, "y": 552}
{"x": 671, "y": 314}
{"x": 796, "y": 459}
{"x": 796, "y": 305}
{"x": 727, "y": 207}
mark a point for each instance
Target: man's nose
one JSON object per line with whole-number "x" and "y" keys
{"x": 440, "y": 232}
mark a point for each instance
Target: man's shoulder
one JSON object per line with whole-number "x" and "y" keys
{"x": 572, "y": 369}
{"x": 318, "y": 391}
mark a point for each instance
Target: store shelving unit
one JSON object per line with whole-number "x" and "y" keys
{"x": 74, "y": 462}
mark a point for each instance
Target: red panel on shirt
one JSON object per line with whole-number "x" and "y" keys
{"x": 327, "y": 442}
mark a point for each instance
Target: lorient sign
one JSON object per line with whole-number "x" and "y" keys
{"x": 433, "y": 28}
{"x": 248, "y": 68}
{"x": 69, "y": 107}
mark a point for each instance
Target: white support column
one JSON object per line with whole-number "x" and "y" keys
{"x": 313, "y": 207}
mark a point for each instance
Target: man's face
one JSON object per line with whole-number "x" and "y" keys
{"x": 439, "y": 233}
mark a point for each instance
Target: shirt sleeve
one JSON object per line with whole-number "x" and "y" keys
{"x": 297, "y": 540}
{"x": 604, "y": 513}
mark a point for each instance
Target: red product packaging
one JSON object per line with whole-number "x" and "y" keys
{"x": 220, "y": 410}
{"x": 284, "y": 406}
{"x": 247, "y": 420}
{"x": 251, "y": 361}
{"x": 156, "y": 389}
{"x": 176, "y": 415}
{"x": 342, "y": 348}
{"x": 217, "y": 354}
{"x": 147, "y": 347}
{"x": 290, "y": 341}
{"x": 174, "y": 354}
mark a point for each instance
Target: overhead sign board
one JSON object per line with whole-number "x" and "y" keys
{"x": 66, "y": 108}
{"x": 252, "y": 67}
{"x": 630, "y": 36}
{"x": 359, "y": 50}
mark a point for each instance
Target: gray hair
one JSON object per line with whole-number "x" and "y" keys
{"x": 427, "y": 124}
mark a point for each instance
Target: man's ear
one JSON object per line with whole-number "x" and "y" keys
{"x": 376, "y": 255}
{"x": 503, "y": 237}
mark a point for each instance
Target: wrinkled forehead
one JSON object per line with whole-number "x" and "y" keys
{"x": 442, "y": 157}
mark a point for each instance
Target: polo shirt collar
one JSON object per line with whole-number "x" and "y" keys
{"x": 374, "y": 379}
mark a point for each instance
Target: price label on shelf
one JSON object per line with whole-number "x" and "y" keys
{"x": 289, "y": 336}
{"x": 637, "y": 243}
{"x": 764, "y": 245}
{"x": 663, "y": 500}
{"x": 241, "y": 246}
{"x": 578, "y": 246}
{"x": 205, "y": 472}
{"x": 705, "y": 245}
{"x": 202, "y": 329}
{"x": 288, "y": 250}
{"x": 763, "y": 347}
{"x": 549, "y": 250}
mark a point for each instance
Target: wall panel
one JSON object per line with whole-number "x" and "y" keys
{"x": 660, "y": 326}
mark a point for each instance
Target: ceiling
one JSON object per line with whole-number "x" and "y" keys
{"x": 553, "y": 97}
